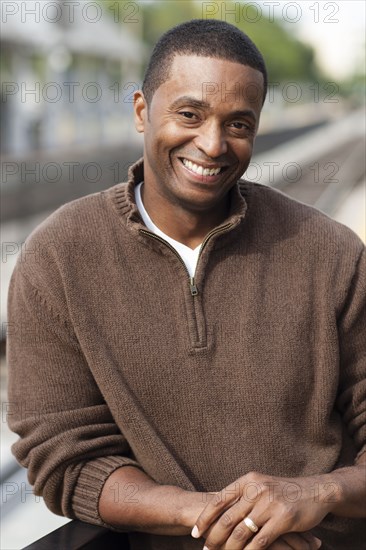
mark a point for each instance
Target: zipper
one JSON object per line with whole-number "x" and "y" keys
{"x": 211, "y": 233}
{"x": 198, "y": 337}
{"x": 192, "y": 284}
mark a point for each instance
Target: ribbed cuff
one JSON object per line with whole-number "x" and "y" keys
{"x": 89, "y": 487}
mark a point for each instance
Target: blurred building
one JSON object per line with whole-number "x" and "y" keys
{"x": 69, "y": 70}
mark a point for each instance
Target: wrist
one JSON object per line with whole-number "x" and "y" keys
{"x": 348, "y": 491}
{"x": 330, "y": 491}
{"x": 173, "y": 510}
{"x": 192, "y": 504}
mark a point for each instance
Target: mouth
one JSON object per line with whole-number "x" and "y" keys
{"x": 201, "y": 170}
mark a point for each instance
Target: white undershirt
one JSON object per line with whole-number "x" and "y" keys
{"x": 188, "y": 255}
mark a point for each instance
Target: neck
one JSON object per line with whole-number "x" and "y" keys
{"x": 185, "y": 226}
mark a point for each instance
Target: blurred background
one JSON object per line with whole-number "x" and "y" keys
{"x": 68, "y": 73}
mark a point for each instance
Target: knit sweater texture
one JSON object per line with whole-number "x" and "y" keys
{"x": 114, "y": 361}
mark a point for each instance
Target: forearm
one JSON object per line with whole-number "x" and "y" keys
{"x": 132, "y": 500}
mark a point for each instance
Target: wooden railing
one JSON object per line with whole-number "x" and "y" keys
{"x": 77, "y": 535}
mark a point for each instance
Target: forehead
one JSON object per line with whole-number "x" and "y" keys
{"x": 214, "y": 81}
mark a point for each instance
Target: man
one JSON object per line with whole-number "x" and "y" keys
{"x": 198, "y": 361}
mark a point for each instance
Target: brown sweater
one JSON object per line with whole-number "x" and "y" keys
{"x": 113, "y": 361}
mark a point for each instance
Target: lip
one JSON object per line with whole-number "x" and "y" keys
{"x": 201, "y": 178}
{"x": 205, "y": 164}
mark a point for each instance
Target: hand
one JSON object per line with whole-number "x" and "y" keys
{"x": 290, "y": 541}
{"x": 296, "y": 541}
{"x": 278, "y": 506}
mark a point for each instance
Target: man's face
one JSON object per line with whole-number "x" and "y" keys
{"x": 199, "y": 130}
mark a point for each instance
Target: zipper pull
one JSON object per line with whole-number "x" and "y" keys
{"x": 194, "y": 289}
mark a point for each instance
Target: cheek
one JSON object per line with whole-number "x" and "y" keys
{"x": 243, "y": 151}
{"x": 174, "y": 136}
{"x": 171, "y": 134}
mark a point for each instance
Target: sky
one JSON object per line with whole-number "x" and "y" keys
{"x": 335, "y": 29}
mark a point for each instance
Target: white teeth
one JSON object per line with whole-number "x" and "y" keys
{"x": 197, "y": 169}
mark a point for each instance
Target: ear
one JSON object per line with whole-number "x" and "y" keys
{"x": 140, "y": 108}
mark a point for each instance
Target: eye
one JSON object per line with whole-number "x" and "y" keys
{"x": 241, "y": 128}
{"x": 188, "y": 114}
{"x": 240, "y": 125}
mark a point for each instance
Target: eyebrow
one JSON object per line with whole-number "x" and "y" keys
{"x": 246, "y": 113}
{"x": 200, "y": 104}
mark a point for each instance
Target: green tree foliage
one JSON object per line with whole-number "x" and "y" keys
{"x": 286, "y": 57}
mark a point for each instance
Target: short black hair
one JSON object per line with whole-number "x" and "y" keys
{"x": 202, "y": 37}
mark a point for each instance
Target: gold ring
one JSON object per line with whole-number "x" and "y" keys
{"x": 251, "y": 525}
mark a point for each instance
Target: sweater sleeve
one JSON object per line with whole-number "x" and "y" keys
{"x": 68, "y": 439}
{"x": 352, "y": 347}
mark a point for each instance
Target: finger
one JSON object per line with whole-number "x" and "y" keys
{"x": 229, "y": 527}
{"x": 280, "y": 544}
{"x": 215, "y": 508}
{"x": 269, "y": 534}
{"x": 245, "y": 530}
{"x": 307, "y": 535}
{"x": 239, "y": 537}
{"x": 301, "y": 541}
{"x": 312, "y": 539}
{"x": 266, "y": 536}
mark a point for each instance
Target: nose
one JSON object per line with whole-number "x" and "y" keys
{"x": 211, "y": 139}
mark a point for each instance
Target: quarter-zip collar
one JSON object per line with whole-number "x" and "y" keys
{"x": 192, "y": 291}
{"x": 123, "y": 197}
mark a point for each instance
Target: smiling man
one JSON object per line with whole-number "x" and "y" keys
{"x": 198, "y": 142}
{"x": 197, "y": 374}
